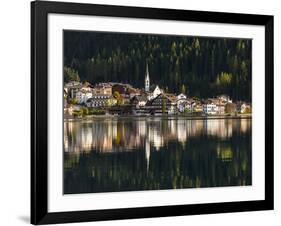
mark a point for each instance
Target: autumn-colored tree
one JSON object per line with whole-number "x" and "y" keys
{"x": 164, "y": 106}
{"x": 118, "y": 97}
{"x": 230, "y": 108}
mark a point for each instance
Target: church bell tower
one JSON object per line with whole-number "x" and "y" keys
{"x": 146, "y": 82}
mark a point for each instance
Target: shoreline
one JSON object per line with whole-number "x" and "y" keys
{"x": 209, "y": 117}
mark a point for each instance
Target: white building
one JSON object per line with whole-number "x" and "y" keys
{"x": 183, "y": 105}
{"x": 71, "y": 88}
{"x": 210, "y": 108}
{"x": 181, "y": 97}
{"x": 156, "y": 92}
{"x": 181, "y": 102}
{"x": 139, "y": 100}
{"x": 100, "y": 100}
{"x": 82, "y": 97}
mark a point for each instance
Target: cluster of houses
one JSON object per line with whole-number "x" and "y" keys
{"x": 119, "y": 98}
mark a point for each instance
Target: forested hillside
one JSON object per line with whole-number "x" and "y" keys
{"x": 198, "y": 66}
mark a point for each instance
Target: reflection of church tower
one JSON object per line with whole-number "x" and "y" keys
{"x": 146, "y": 82}
{"x": 147, "y": 153}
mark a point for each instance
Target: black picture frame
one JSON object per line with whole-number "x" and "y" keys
{"x": 39, "y": 112}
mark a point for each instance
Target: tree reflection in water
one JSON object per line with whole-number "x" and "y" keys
{"x": 128, "y": 154}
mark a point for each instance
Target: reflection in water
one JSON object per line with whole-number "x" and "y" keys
{"x": 131, "y": 153}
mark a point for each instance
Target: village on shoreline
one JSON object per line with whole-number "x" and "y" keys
{"x": 113, "y": 98}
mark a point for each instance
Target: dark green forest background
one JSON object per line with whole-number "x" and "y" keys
{"x": 197, "y": 66}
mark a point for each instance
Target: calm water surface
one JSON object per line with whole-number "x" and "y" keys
{"x": 131, "y": 153}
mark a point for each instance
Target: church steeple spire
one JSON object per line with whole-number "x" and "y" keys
{"x": 147, "y": 82}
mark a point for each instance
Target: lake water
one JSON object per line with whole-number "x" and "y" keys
{"x": 138, "y": 153}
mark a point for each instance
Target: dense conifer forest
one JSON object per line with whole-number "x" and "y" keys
{"x": 197, "y": 66}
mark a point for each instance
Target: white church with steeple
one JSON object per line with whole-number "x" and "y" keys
{"x": 156, "y": 91}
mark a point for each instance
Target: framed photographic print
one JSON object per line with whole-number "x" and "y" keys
{"x": 145, "y": 112}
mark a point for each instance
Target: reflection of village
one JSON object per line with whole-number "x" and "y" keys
{"x": 113, "y": 98}
{"x": 111, "y": 135}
